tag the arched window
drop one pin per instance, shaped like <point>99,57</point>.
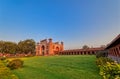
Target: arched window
<point>84,53</point>
<point>88,53</point>
<point>93,52</point>
<point>57,48</point>
<point>43,50</point>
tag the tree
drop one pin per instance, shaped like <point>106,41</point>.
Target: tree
<point>8,47</point>
<point>26,46</point>
<point>85,47</point>
<point>1,46</point>
<point>102,46</point>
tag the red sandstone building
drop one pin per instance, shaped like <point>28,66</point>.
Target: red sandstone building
<point>45,47</point>
<point>89,51</point>
<point>114,49</point>
<point>48,47</point>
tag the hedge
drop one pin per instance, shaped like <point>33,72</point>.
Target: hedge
<point>5,72</point>
<point>15,64</point>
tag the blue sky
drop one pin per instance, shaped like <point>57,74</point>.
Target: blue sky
<point>75,22</point>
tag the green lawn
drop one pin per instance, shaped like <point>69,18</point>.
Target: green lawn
<point>59,67</point>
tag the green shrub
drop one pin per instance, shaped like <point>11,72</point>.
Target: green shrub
<point>5,72</point>
<point>101,54</point>
<point>2,58</point>
<point>110,71</point>
<point>15,64</point>
<point>103,60</point>
<point>108,68</point>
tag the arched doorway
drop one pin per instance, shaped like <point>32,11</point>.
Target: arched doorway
<point>43,50</point>
<point>56,50</point>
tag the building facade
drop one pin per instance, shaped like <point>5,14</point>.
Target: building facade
<point>89,51</point>
<point>48,47</point>
<point>114,49</point>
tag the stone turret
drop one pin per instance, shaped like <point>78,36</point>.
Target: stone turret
<point>50,40</point>
<point>62,46</point>
<point>50,45</point>
<point>61,43</point>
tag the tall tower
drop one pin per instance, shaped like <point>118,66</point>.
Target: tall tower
<point>50,47</point>
<point>62,46</point>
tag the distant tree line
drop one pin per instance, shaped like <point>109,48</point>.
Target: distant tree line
<point>85,47</point>
<point>25,46</point>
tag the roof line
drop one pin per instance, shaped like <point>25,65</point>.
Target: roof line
<point>113,41</point>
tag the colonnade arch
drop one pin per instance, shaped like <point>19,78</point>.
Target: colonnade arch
<point>77,53</point>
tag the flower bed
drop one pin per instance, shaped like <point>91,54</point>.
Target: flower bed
<point>108,68</point>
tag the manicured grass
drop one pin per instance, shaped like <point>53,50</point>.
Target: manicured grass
<point>59,67</point>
